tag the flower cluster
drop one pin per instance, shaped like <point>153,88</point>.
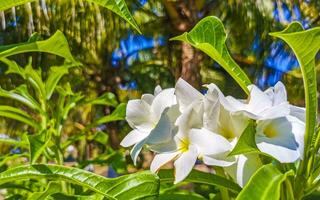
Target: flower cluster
<point>182,125</point>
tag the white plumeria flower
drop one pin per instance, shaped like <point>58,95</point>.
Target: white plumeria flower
<point>229,124</point>
<point>282,138</point>
<point>261,105</point>
<point>152,119</point>
<point>193,140</point>
<point>197,143</point>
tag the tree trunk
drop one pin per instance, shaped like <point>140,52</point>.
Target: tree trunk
<point>190,70</point>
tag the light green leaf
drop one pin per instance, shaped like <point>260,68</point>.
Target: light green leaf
<point>142,185</point>
<point>265,184</point>
<point>37,144</point>
<point>246,142</point>
<point>118,114</point>
<point>120,8</point>
<point>178,196</point>
<point>6,4</point>
<point>13,67</point>
<point>57,44</point>
<point>35,79</point>
<point>100,137</point>
<point>22,95</point>
<point>201,177</point>
<point>60,196</point>
<point>107,99</point>
<point>56,73</point>
<point>10,157</point>
<point>52,188</point>
<point>210,36</point>
<point>305,44</point>
<point>18,114</point>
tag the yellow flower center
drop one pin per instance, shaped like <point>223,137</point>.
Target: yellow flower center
<point>184,144</point>
<point>226,132</point>
<point>270,131</point>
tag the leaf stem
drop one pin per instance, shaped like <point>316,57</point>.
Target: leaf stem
<point>224,192</point>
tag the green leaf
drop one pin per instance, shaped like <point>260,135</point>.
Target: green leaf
<point>35,79</point>
<point>305,44</point>
<point>264,184</point>
<point>107,99</point>
<point>23,91</point>
<point>246,142</point>
<point>19,115</point>
<point>100,137</point>
<point>13,67</point>
<point>142,185</point>
<point>37,144</point>
<point>118,114</point>
<point>6,4</point>
<point>11,141</point>
<point>56,73</point>
<point>52,188</point>
<point>59,196</point>
<point>25,98</point>
<point>120,8</point>
<point>210,36</point>
<point>177,196</point>
<point>10,157</point>
<point>57,44</point>
<point>203,178</point>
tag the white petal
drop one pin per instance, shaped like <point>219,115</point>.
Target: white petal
<point>164,147</point>
<point>186,94</point>
<point>191,117</point>
<point>219,160</point>
<point>298,129</point>
<point>209,143</point>
<point>136,150</point>
<point>161,159</point>
<point>184,164</point>
<point>279,110</point>
<point>258,100</point>
<point>231,125</point>
<point>298,112</point>
<point>157,90</point>
<point>275,137</point>
<point>138,115</point>
<point>163,100</point>
<point>211,111</point>
<point>133,137</point>
<point>280,93</point>
<point>246,166</point>
<point>148,98</point>
<point>163,132</point>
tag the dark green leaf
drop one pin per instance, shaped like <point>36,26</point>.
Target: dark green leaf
<point>142,185</point>
<point>201,177</point>
<point>210,36</point>
<point>265,184</point>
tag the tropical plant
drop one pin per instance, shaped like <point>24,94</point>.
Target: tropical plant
<point>264,144</point>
